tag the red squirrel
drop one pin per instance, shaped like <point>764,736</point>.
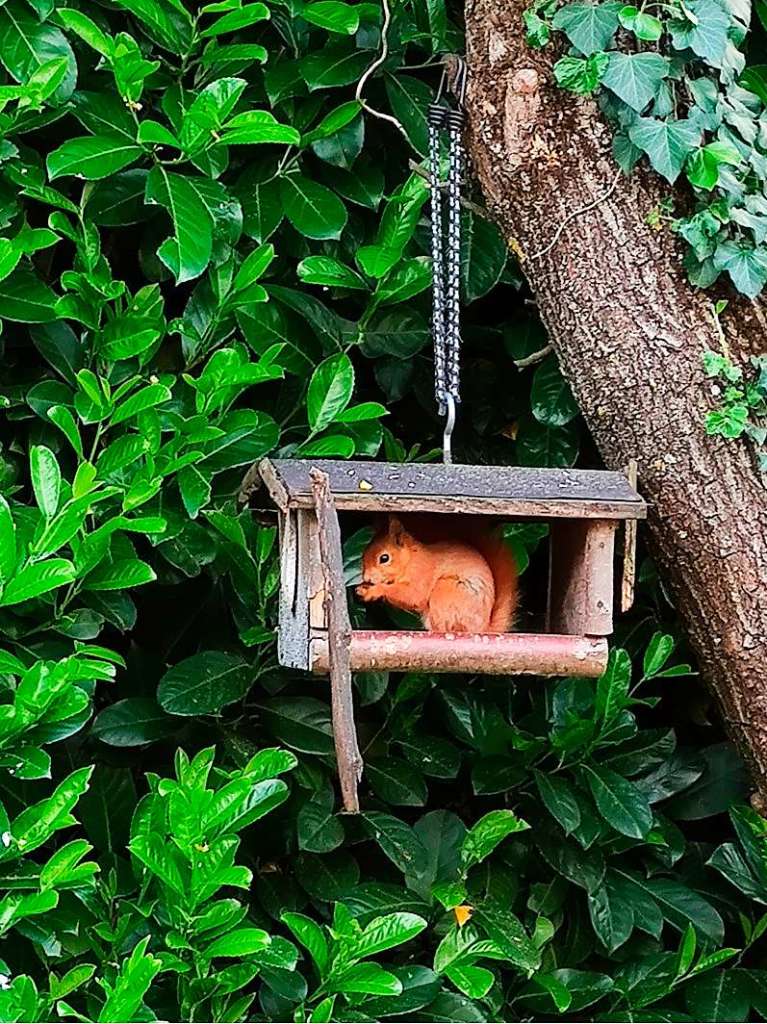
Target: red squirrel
<point>459,577</point>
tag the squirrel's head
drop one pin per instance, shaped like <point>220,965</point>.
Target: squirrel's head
<point>386,560</point>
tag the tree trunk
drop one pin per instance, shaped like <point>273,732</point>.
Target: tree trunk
<point>630,332</point>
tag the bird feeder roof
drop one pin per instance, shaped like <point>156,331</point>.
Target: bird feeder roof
<point>480,490</point>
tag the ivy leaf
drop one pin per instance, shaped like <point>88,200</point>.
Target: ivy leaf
<point>188,253</point>
<point>644,26</point>
<point>746,265</point>
<point>704,32</point>
<point>666,143</point>
<point>635,77</point>
<point>92,157</point>
<point>589,27</point>
<point>703,166</point>
<point>580,75</point>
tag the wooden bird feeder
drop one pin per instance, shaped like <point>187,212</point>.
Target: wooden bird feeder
<point>582,507</point>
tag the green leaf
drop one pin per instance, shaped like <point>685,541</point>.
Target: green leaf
<point>387,932</point>
<point>330,390</point>
<point>396,782</point>
<point>666,143</point>
<point>745,264</point>
<point>580,75</point>
<point>508,933</point>
<point>410,98</point>
<point>311,936</point>
<point>613,687</point>
<point>188,253</point>
<point>301,723</point>
<point>25,299</point>
<point>234,21</point>
<point>473,981</point>
<point>324,270</point>
<point>92,157</point>
<point>132,722</point>
<point>120,574</point>
<point>258,126</point>
<point>367,979</point>
<point>703,29</point>
<point>703,166</point>
<point>240,942</point>
<point>559,801</point>
<point>646,27</point>
<point>27,44</point>
<point>551,399</point>
<point>657,653</point>
<point>204,683</point>
<point>37,579</point>
<point>140,401</point>
<point>612,914</point>
<point>483,837</point>
<point>333,16</point>
<point>589,27</point>
<point>397,840</point>
<point>133,981</point>
<point>312,209</point>
<point>620,802</point>
<point>635,77</point>
<point>720,996</point>
<point>164,21</point>
<point>46,479</point>
<point>7,541</point>
<point>319,830</point>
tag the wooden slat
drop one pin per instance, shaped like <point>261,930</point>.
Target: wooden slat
<point>581,569</point>
<point>539,654</point>
<point>629,548</point>
<point>484,490</point>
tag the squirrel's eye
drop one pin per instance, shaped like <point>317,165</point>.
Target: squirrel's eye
<point>384,559</point>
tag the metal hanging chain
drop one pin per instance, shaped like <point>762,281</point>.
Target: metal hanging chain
<point>446,255</point>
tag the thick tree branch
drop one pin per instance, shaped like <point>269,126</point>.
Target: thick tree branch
<point>630,333</point>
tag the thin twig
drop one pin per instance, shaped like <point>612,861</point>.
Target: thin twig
<point>467,204</point>
<point>373,68</point>
<point>576,213</point>
<point>533,358</point>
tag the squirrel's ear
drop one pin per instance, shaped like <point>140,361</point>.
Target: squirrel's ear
<point>397,531</point>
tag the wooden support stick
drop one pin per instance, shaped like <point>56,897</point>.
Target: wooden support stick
<point>629,548</point>
<point>348,753</point>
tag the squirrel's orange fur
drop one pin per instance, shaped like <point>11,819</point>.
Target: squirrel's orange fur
<point>459,577</point>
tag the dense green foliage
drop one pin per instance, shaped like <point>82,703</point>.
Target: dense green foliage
<point>210,252</point>
<point>672,77</point>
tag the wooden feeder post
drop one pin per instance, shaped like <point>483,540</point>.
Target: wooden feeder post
<point>339,639</point>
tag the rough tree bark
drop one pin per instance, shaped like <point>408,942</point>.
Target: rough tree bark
<point>630,332</point>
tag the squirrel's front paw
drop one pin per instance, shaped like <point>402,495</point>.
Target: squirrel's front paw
<point>366,592</point>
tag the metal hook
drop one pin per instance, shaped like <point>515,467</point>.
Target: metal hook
<point>447,436</point>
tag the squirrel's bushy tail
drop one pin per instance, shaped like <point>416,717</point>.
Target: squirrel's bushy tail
<point>498,556</point>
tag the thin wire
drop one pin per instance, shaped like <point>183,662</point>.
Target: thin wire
<point>576,213</point>
<point>373,68</point>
